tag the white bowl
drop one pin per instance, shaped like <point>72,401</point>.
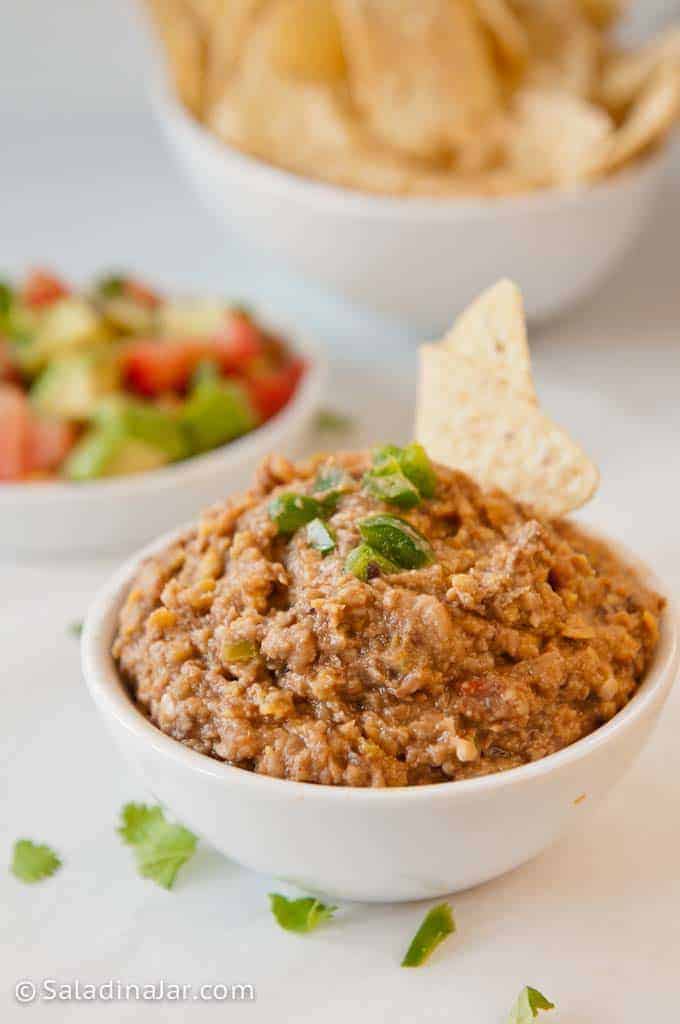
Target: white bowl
<point>371,844</point>
<point>121,513</point>
<point>419,259</point>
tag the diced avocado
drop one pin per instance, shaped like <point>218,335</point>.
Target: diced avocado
<point>66,326</point>
<point>127,316</point>
<point>192,318</point>
<point>143,421</point>
<point>103,452</point>
<point>72,386</point>
<point>216,411</point>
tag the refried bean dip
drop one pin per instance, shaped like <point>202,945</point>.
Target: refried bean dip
<point>275,647</point>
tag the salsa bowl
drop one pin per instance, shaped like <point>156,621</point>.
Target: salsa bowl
<point>378,845</point>
<point>119,513</point>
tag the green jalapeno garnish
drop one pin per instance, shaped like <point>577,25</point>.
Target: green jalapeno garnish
<point>397,540</point>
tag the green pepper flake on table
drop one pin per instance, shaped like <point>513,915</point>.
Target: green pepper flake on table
<point>437,924</point>
<point>301,915</point>
<point>527,1005</point>
<point>119,379</point>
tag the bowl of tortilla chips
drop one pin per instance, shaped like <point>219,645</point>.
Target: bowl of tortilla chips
<point>402,152</point>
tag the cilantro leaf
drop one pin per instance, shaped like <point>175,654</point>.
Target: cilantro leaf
<point>160,847</point>
<point>303,915</point>
<point>436,925</point>
<point>33,861</point>
<point>76,628</point>
<point>527,1005</point>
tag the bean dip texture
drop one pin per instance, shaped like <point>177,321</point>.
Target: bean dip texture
<point>252,646</point>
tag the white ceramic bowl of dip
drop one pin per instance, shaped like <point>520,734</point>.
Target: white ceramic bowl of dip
<point>371,844</point>
<point>418,259</point>
<point>118,514</point>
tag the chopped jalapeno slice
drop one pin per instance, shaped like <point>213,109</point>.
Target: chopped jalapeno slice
<point>417,467</point>
<point>291,511</point>
<point>331,483</point>
<point>320,536</point>
<point>436,925</point>
<point>397,540</point>
<point>412,461</point>
<point>392,488</point>
<point>238,650</point>
<point>385,454</point>
<point>365,563</point>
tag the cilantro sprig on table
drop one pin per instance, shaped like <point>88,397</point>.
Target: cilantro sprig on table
<point>160,847</point>
<point>32,862</point>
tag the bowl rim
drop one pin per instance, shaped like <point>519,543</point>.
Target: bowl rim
<point>176,118</point>
<point>109,693</point>
<point>265,437</point>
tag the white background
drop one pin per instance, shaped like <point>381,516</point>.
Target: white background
<point>595,922</point>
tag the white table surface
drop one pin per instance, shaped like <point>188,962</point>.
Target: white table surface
<point>594,922</point>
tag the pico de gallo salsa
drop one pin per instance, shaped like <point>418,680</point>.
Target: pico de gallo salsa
<point>120,379</point>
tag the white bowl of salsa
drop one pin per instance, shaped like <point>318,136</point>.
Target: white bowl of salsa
<point>107,440</point>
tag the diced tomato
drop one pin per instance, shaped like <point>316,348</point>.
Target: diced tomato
<point>8,371</point>
<point>154,367</point>
<point>15,419</point>
<point>241,343</point>
<point>270,392</point>
<point>42,288</point>
<point>140,293</point>
<point>49,442</point>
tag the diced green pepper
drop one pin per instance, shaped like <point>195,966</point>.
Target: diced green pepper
<point>5,298</point>
<point>365,562</point>
<point>392,488</point>
<point>436,925</point>
<point>238,650</point>
<point>417,467</point>
<point>110,286</point>
<point>397,540</point>
<point>330,485</point>
<point>384,454</point>
<point>291,511</point>
<point>216,411</point>
<point>320,536</point>
<point>412,461</point>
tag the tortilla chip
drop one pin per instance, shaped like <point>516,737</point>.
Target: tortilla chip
<point>557,139</point>
<point>226,25</point>
<point>603,13</point>
<point>421,74</point>
<point>307,41</point>
<point>492,333</point>
<point>507,31</point>
<point>651,118</point>
<point>626,74</point>
<point>184,45</point>
<point>472,421</point>
<point>564,47</point>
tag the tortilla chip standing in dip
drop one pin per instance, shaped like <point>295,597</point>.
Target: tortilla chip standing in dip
<point>379,619</point>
